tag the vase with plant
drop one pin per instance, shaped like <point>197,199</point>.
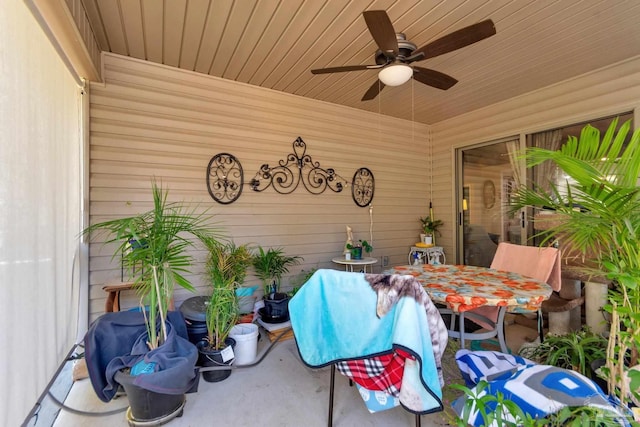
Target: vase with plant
<point>270,265</point>
<point>430,229</point>
<point>597,213</point>
<point>226,268</point>
<point>155,246</point>
<point>358,247</point>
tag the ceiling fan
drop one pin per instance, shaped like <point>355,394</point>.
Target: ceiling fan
<point>396,53</point>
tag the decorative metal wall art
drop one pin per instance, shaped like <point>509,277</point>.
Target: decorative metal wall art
<point>298,167</point>
<point>225,178</point>
<point>363,187</point>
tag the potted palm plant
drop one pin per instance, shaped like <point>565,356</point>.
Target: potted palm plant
<point>270,265</point>
<point>155,244</point>
<point>597,212</point>
<point>226,267</point>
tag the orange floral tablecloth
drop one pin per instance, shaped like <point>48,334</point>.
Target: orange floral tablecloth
<point>465,287</point>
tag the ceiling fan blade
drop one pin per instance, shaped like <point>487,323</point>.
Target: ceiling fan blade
<point>373,91</point>
<point>346,68</point>
<point>433,78</point>
<point>381,29</point>
<point>456,40</point>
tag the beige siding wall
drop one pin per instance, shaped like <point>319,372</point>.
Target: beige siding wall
<point>149,120</point>
<point>608,91</point>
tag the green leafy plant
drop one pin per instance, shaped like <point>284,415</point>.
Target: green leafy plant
<point>493,409</point>
<point>271,265</point>
<point>597,212</point>
<point>226,267</point>
<point>496,410</point>
<point>431,226</point>
<point>361,244</point>
<point>155,245</point>
<point>301,279</point>
<point>575,350</point>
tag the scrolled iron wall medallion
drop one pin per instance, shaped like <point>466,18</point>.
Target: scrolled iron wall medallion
<point>225,178</point>
<point>363,187</point>
<point>296,168</point>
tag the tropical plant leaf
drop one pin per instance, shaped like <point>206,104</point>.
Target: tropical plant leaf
<point>155,246</point>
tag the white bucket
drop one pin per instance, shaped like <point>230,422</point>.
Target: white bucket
<point>246,336</point>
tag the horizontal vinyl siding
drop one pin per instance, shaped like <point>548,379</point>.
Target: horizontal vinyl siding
<point>611,90</point>
<point>150,121</point>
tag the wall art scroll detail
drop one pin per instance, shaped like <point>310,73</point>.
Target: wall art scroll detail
<point>296,168</point>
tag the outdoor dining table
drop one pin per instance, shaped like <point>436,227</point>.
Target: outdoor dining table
<point>464,287</point>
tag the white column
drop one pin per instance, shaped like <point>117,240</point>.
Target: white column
<point>595,299</point>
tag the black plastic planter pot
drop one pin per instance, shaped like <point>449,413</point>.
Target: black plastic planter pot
<point>194,311</point>
<point>147,407</point>
<point>210,358</point>
<point>276,308</point>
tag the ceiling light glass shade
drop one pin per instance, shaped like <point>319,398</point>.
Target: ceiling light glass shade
<point>395,75</point>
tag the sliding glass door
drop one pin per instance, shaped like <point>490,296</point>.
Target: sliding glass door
<point>485,176</point>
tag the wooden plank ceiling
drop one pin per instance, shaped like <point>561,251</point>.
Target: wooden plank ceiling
<point>275,44</point>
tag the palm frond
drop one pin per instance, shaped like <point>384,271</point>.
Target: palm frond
<point>155,244</point>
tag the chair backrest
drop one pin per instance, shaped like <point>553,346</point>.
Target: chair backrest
<point>533,261</point>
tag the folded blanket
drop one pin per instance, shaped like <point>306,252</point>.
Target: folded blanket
<point>118,340</point>
<point>340,316</point>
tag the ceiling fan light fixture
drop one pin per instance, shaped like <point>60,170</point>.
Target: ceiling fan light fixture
<point>395,75</point>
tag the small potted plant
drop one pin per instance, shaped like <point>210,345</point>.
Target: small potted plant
<point>357,248</point>
<point>226,267</point>
<point>270,265</point>
<point>430,229</point>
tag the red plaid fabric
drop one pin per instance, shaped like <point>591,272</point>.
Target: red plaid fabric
<point>377,373</point>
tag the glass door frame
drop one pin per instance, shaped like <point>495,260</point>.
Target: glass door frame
<point>461,191</point>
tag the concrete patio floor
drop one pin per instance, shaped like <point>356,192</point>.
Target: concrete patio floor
<point>280,391</point>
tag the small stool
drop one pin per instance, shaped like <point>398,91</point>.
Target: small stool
<point>559,312</point>
<point>113,299</point>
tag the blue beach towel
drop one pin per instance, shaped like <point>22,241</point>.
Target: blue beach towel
<point>339,316</point>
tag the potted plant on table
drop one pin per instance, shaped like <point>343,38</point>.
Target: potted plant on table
<point>430,228</point>
<point>357,248</point>
<point>226,268</point>
<point>270,265</point>
<point>598,213</point>
<point>155,244</point>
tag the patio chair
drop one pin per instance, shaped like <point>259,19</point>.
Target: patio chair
<point>382,331</point>
<point>532,261</point>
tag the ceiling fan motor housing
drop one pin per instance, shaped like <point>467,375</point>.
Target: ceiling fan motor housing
<point>405,48</point>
